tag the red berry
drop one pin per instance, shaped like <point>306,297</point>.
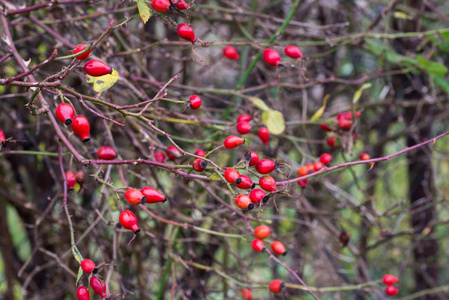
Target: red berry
<point>331,141</point>
<point>81,127</point>
<point>243,127</point>
<point>246,294</point>
<point>257,245</point>
<point>160,5</point>
<point>152,195</point>
<point>293,52</point>
<point>303,171</point>
<point>257,195</point>
<point>98,286</point>
<point>230,52</point>
<point>134,197</point>
<point>199,165</point>
<point>262,232</point>
<point>325,127</point>
<point>87,265</point>
<point>186,32</point>
<point>391,290</point>
<point>267,183</point>
<point>271,57</point>
<point>317,166</point>
<point>2,136</point>
<point>65,113</point>
<point>254,159</point>
<point>182,5</point>
<point>200,152</point>
<point>83,293</point>
<point>347,115</point>
<point>278,248</point>
<point>97,68</point>
<point>79,48</point>
<point>364,156</point>
<point>129,221</point>
<point>275,286</point>
<point>231,175</point>
<point>244,118</point>
<point>71,179</point>
<point>266,166</point>
<point>244,182</point>
<point>159,156</point>
<point>79,175</point>
<point>106,153</point>
<point>302,183</point>
<point>264,135</point>
<point>233,141</point>
<point>244,202</point>
<point>325,158</point>
<point>194,102</point>
<point>345,124</point>
<point>389,279</point>
<point>173,152</point>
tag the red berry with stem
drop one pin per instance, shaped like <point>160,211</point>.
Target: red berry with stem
<point>278,248</point>
<point>246,294</point>
<point>257,195</point>
<point>257,245</point>
<point>244,182</point>
<point>391,290</point>
<point>317,166</point>
<point>152,195</point>
<point>231,175</point>
<point>264,135</point>
<point>293,52</point>
<point>233,141</point>
<point>345,124</point>
<point>81,127</point>
<point>135,197</point>
<point>97,68</point>
<point>231,53</point>
<point>252,158</point>
<point>65,113</point>
<point>181,4</point>
<point>302,183</point>
<point>2,136</point>
<point>87,265</point>
<point>200,152</point>
<point>325,158</point>
<point>262,232</point>
<point>186,32</point>
<point>243,127</point>
<point>80,47</point>
<point>267,183</point>
<point>389,279</point>
<point>364,156</point>
<point>325,127</point>
<point>271,57</point>
<point>275,286</point>
<point>266,166</point>
<point>98,286</point>
<point>173,152</point>
<point>194,102</point>
<point>159,156</point>
<point>82,293</point>
<point>129,221</point>
<point>244,202</point>
<point>106,153</point>
<point>160,5</point>
<point>71,179</point>
<point>244,118</point>
<point>303,171</point>
<point>199,165</point>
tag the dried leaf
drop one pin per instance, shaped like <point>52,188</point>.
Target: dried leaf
<point>144,10</point>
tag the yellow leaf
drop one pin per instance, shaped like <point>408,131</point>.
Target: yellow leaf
<point>358,93</point>
<point>215,177</point>
<point>257,102</point>
<point>274,120</point>
<point>102,83</point>
<point>144,11</point>
<point>320,110</point>
<point>402,15</point>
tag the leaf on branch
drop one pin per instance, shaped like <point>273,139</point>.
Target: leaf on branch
<point>102,83</point>
<point>144,10</point>
<point>358,93</point>
<point>80,273</point>
<point>402,15</point>
<point>320,110</point>
<point>257,102</point>
<point>274,120</point>
<point>215,177</point>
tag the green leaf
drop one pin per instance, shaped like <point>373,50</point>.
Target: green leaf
<point>144,10</point>
<point>102,83</point>
<point>358,93</point>
<point>257,102</point>
<point>215,177</point>
<point>442,83</point>
<point>433,68</point>
<point>274,120</point>
<point>320,110</point>
<point>80,273</point>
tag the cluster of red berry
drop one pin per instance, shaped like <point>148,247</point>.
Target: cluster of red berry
<point>273,58</point>
<point>390,280</point>
<point>93,67</point>
<point>97,285</point>
<point>325,160</point>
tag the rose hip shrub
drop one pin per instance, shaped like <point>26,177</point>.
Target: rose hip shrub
<point>202,149</point>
